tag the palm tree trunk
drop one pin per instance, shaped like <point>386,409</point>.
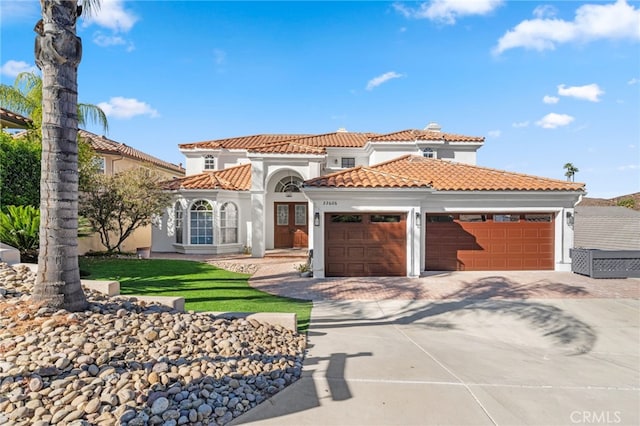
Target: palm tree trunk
<point>58,52</point>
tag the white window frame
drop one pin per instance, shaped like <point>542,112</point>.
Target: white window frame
<point>229,223</point>
<point>201,213</point>
<point>209,162</point>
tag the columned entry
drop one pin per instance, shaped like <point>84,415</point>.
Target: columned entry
<point>291,225</point>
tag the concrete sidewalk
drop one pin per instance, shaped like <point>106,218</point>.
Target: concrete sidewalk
<point>465,362</point>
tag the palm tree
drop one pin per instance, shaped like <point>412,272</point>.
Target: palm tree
<point>571,170</point>
<point>58,51</point>
<point>25,98</point>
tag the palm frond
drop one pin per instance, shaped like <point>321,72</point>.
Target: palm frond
<point>93,114</point>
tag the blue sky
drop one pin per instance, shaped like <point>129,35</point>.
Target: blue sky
<point>545,82</point>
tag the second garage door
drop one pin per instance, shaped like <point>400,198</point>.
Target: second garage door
<point>489,242</point>
<point>365,244</point>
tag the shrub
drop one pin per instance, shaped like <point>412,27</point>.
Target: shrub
<point>19,228</point>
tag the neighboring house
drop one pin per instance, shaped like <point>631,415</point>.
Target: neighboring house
<point>11,120</point>
<point>368,204</point>
<point>607,228</point>
<point>113,157</point>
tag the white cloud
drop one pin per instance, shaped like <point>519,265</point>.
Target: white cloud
<point>633,81</point>
<point>120,107</point>
<point>553,120</point>
<point>377,81</point>
<point>520,124</point>
<point>447,11</point>
<point>589,92</point>
<point>12,68</point>
<point>618,20</point>
<point>494,133</point>
<point>545,11</point>
<point>112,15</point>
<point>550,99</point>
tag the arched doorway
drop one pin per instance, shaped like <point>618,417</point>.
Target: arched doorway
<point>290,217</point>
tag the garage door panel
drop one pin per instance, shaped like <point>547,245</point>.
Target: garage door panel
<point>489,245</point>
<point>371,246</point>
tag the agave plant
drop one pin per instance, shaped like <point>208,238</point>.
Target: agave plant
<point>19,228</point>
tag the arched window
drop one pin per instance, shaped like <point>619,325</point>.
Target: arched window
<point>178,213</point>
<point>428,153</point>
<point>209,162</point>
<point>201,222</point>
<point>289,184</point>
<point>228,223</point>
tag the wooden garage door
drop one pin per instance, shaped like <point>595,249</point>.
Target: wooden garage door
<point>365,244</point>
<point>489,242</point>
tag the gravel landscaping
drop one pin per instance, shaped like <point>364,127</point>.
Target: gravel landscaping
<point>123,362</point>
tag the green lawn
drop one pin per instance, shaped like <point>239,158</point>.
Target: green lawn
<point>203,286</point>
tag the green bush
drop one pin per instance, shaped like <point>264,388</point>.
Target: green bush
<point>19,228</point>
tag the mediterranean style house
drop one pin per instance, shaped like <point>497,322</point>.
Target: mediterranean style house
<point>367,204</point>
<point>113,157</point>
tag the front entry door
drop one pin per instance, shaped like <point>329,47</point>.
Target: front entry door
<point>291,225</point>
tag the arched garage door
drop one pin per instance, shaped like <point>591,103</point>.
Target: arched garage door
<point>365,244</point>
<point>489,242</point>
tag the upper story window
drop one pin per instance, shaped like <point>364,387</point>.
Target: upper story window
<point>428,153</point>
<point>209,162</point>
<point>100,164</point>
<point>348,162</point>
<point>289,184</point>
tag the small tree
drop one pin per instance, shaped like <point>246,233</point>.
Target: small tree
<point>118,205</point>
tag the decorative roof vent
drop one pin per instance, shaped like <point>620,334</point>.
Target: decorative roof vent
<point>433,127</point>
<point>342,130</point>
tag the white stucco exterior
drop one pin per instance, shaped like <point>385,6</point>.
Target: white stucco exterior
<point>256,204</point>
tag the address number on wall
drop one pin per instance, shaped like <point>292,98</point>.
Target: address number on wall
<point>329,203</point>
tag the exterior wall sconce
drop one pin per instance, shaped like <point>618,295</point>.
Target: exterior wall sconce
<point>316,219</point>
<point>570,218</point>
<point>418,219</point>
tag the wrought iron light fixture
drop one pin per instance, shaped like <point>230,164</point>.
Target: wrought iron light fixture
<point>316,219</point>
<point>418,219</point>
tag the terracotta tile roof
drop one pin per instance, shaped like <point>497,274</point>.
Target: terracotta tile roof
<point>425,135</point>
<point>440,175</point>
<point>102,145</point>
<point>242,142</point>
<point>340,139</point>
<point>337,140</point>
<point>288,148</point>
<point>237,178</point>
<point>12,120</point>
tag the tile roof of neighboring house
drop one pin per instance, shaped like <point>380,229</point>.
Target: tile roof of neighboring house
<point>425,135</point>
<point>237,178</point>
<point>415,171</point>
<point>11,120</point>
<point>339,139</point>
<point>242,142</point>
<point>587,201</point>
<point>102,145</point>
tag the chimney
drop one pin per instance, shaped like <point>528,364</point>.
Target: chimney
<point>433,127</point>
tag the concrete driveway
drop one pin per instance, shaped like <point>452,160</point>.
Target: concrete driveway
<point>459,348</point>
<point>488,348</point>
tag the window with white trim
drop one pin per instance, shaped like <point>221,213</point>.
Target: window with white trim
<point>228,223</point>
<point>100,164</point>
<point>289,184</point>
<point>428,153</point>
<point>209,162</point>
<point>178,213</point>
<point>348,162</point>
<point>201,222</point>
